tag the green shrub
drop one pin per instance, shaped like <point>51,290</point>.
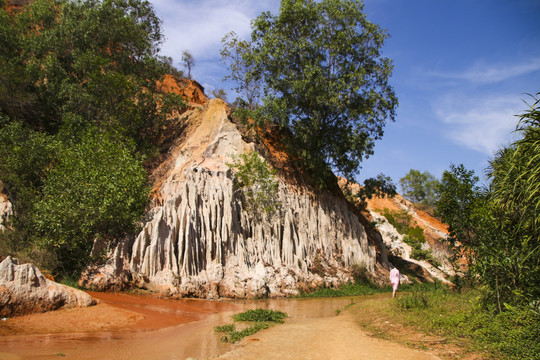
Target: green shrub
<point>97,188</point>
<point>420,254</point>
<point>257,182</point>
<point>416,233</point>
<point>261,315</point>
<point>235,336</point>
<point>412,235</point>
<point>360,274</point>
<point>225,328</point>
<point>399,219</point>
<point>25,155</point>
<point>261,318</point>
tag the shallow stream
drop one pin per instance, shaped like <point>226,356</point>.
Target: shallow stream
<point>171,329</point>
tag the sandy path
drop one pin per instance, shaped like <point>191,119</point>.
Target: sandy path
<point>336,337</point>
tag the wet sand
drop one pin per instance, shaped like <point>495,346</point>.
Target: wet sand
<point>337,337</point>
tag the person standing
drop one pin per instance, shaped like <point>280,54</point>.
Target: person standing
<point>394,280</point>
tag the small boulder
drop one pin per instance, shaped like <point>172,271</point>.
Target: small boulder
<point>24,290</point>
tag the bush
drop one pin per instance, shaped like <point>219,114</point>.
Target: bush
<point>25,155</point>
<point>360,274</point>
<point>98,188</point>
<point>235,336</point>
<point>225,328</point>
<point>399,219</point>
<point>261,315</point>
<point>257,182</point>
<point>413,235</point>
<point>416,233</point>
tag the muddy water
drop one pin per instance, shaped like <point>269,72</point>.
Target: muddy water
<point>171,329</point>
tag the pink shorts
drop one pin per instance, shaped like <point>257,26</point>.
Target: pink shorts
<point>395,285</point>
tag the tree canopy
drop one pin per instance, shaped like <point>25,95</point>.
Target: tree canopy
<point>419,187</point>
<point>323,78</point>
<point>76,69</point>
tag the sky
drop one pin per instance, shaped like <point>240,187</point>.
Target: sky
<point>463,70</point>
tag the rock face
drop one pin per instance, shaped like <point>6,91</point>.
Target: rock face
<point>189,89</point>
<point>23,290</point>
<point>6,209</point>
<point>434,231</point>
<point>200,239</point>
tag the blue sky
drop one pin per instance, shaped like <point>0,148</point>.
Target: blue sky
<point>462,70</point>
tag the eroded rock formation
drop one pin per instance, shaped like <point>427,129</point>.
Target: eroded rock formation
<point>200,239</point>
<point>23,290</point>
<point>434,232</point>
<point>6,209</point>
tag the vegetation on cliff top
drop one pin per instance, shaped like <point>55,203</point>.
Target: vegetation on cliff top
<point>322,78</point>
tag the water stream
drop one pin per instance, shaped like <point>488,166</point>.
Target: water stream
<point>171,329</point>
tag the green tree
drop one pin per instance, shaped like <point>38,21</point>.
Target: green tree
<point>381,186</point>
<point>79,110</point>
<point>497,229</point>
<point>419,187</point>
<point>510,256</point>
<point>96,59</point>
<point>324,79</point>
<point>98,188</point>
<point>25,155</point>
<point>515,172</point>
<point>239,57</point>
<point>460,198</point>
<point>188,60</point>
<point>15,97</point>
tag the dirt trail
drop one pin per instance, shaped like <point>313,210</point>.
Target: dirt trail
<point>336,337</point>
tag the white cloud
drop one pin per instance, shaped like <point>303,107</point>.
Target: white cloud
<point>199,26</point>
<point>483,124</point>
<point>482,73</point>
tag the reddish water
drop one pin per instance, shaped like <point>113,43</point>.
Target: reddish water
<point>171,329</point>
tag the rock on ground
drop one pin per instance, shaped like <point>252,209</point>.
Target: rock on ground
<point>24,290</point>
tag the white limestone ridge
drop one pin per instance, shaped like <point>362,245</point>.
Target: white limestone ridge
<point>199,239</point>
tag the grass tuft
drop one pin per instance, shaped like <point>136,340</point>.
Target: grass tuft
<point>261,319</point>
<point>415,300</point>
<point>261,315</point>
<point>225,328</point>
<point>345,290</point>
<point>235,336</point>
